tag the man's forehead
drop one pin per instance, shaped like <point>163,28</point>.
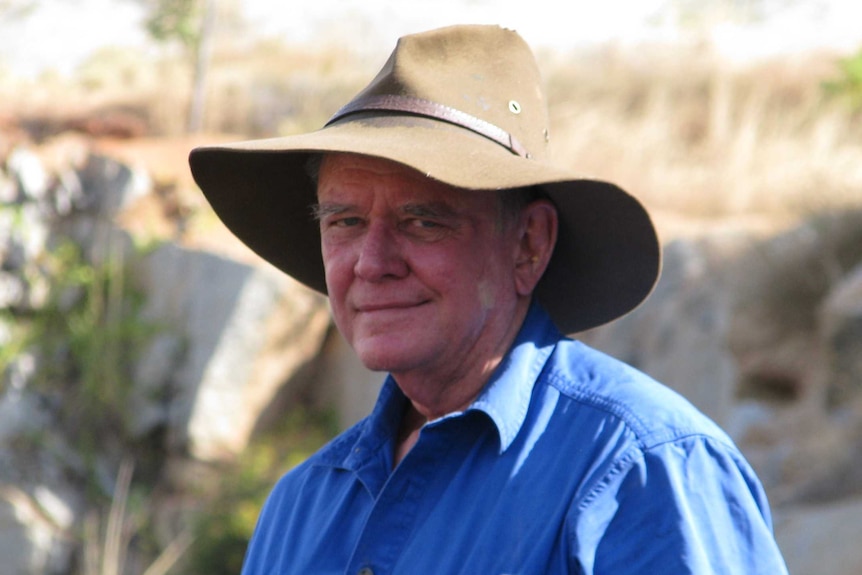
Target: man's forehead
<point>355,178</point>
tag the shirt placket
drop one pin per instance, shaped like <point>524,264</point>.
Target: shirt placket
<point>392,519</point>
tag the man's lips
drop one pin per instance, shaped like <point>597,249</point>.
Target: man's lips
<point>371,307</point>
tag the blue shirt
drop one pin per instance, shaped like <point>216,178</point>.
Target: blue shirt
<point>568,462</point>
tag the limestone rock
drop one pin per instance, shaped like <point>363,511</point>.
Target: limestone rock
<point>821,539</point>
<point>33,180</point>
<point>348,385</point>
<point>109,185</point>
<point>841,326</point>
<point>679,334</point>
<point>231,334</point>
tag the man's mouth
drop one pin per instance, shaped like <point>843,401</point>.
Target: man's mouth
<point>388,306</point>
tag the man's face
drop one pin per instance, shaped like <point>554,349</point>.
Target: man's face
<point>419,274</point>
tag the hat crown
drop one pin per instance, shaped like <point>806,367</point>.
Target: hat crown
<point>486,71</point>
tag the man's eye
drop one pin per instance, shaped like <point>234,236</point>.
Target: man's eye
<point>347,222</point>
<point>423,224</point>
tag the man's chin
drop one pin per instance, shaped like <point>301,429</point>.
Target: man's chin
<point>376,362</point>
<point>383,356</point>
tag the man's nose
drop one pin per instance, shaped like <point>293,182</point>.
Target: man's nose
<point>380,254</point>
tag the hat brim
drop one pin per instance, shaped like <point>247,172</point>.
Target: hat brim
<point>606,261</point>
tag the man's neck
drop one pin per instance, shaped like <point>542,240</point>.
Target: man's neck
<point>437,393</point>
<point>408,433</point>
<point>432,398</point>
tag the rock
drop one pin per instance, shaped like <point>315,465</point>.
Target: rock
<point>20,413</point>
<point>27,170</point>
<point>8,189</point>
<point>13,291</point>
<point>33,531</point>
<point>68,193</point>
<point>821,539</point>
<point>345,382</point>
<point>154,381</point>
<point>841,330</point>
<point>109,185</point>
<point>38,503</point>
<point>679,334</point>
<point>776,285</point>
<point>24,231</point>
<point>232,334</point>
<point>20,551</point>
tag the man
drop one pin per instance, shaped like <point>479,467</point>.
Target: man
<point>454,255</point>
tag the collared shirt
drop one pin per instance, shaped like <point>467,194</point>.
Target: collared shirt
<point>568,462</point>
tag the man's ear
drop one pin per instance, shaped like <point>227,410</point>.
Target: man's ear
<point>537,231</point>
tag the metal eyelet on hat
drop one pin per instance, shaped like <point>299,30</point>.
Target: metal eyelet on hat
<point>514,107</point>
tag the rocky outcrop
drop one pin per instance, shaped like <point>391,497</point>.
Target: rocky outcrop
<point>679,336</point>
<point>763,333</point>
<point>841,330</point>
<point>222,340</point>
<point>821,538</point>
<point>38,505</point>
<point>233,335</point>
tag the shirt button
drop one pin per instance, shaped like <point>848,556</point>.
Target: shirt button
<point>366,571</point>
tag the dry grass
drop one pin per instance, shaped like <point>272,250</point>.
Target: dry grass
<point>690,134</point>
<point>106,553</point>
<point>685,132</point>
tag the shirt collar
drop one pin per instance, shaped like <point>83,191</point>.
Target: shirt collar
<point>380,428</point>
<point>506,396</point>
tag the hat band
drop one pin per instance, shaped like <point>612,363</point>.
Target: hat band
<point>429,109</point>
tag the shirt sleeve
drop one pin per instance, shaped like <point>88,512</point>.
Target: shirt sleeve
<point>692,505</point>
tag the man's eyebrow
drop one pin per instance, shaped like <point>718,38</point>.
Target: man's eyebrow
<point>320,211</point>
<point>430,210</point>
<point>443,210</point>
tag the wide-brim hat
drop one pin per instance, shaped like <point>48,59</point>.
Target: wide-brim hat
<point>462,105</point>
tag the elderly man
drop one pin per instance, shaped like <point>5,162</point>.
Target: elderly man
<point>454,256</point>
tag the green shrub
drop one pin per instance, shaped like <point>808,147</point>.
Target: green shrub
<point>86,337</point>
<point>848,85</point>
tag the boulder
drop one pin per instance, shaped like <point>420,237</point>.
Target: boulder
<point>346,383</point>
<point>32,178</point>
<point>34,531</point>
<point>679,335</point>
<point>841,331</point>
<point>21,549</point>
<point>109,185</point>
<point>229,335</point>
<point>821,539</point>
<point>38,503</point>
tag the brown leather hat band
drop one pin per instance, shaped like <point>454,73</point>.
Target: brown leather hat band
<point>407,104</point>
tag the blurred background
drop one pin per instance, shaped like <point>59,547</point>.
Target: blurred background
<point>156,378</point>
